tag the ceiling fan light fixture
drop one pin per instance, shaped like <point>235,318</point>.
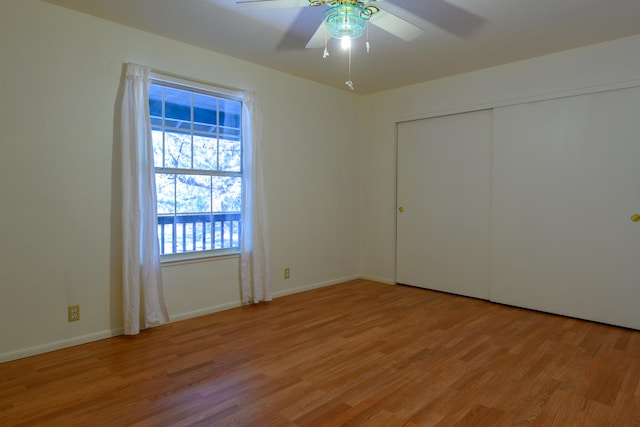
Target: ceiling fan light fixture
<point>345,42</point>
<point>346,20</point>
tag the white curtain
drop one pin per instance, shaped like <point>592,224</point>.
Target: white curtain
<point>142,279</point>
<point>255,276</point>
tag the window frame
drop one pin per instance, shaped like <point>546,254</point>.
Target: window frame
<point>204,88</point>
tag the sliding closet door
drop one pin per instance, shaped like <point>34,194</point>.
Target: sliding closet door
<point>444,196</point>
<point>566,183</point>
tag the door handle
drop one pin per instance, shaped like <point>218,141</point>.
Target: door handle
<point>401,209</point>
<point>635,217</point>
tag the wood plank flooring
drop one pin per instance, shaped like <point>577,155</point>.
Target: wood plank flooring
<point>357,353</point>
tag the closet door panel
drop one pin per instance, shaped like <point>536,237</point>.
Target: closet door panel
<point>443,191</point>
<point>566,180</point>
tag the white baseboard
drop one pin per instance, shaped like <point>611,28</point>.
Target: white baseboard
<point>379,279</point>
<point>314,286</point>
<point>83,339</point>
<point>204,311</point>
<point>58,345</point>
<point>235,304</point>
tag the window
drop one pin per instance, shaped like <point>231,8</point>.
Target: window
<point>197,150</point>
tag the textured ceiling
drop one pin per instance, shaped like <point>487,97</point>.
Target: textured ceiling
<point>459,35</point>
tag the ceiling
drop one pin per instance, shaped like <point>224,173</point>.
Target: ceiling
<point>459,35</point>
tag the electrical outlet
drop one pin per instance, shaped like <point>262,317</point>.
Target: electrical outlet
<point>73,313</point>
<point>287,273</point>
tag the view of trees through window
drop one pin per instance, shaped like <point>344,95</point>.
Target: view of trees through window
<point>197,149</point>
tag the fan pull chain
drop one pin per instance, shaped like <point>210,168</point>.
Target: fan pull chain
<point>349,83</point>
<point>326,42</point>
<point>367,43</point>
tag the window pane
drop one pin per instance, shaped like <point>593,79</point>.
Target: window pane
<point>177,148</point>
<point>156,122</point>
<point>156,137</point>
<point>204,112</point>
<point>227,194</point>
<point>191,232</point>
<point>205,150</point>
<point>165,233</point>
<point>232,134</point>
<point>155,101</point>
<point>182,236</point>
<point>193,194</point>
<point>229,113</point>
<point>230,156</point>
<point>177,107</point>
<point>165,190</point>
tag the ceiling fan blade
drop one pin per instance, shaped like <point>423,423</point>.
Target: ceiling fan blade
<point>272,4</point>
<point>301,29</point>
<point>443,14</point>
<point>318,38</point>
<point>396,25</point>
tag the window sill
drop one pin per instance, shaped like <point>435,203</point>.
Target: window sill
<point>189,258</point>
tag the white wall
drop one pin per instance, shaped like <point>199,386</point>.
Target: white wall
<point>60,75</point>
<point>606,65</point>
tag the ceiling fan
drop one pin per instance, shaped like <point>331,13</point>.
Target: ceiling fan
<point>348,19</point>
<point>445,15</point>
<point>345,19</point>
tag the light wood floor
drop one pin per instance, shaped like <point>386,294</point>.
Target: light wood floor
<point>358,353</point>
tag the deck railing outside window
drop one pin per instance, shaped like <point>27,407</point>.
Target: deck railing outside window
<point>198,232</point>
